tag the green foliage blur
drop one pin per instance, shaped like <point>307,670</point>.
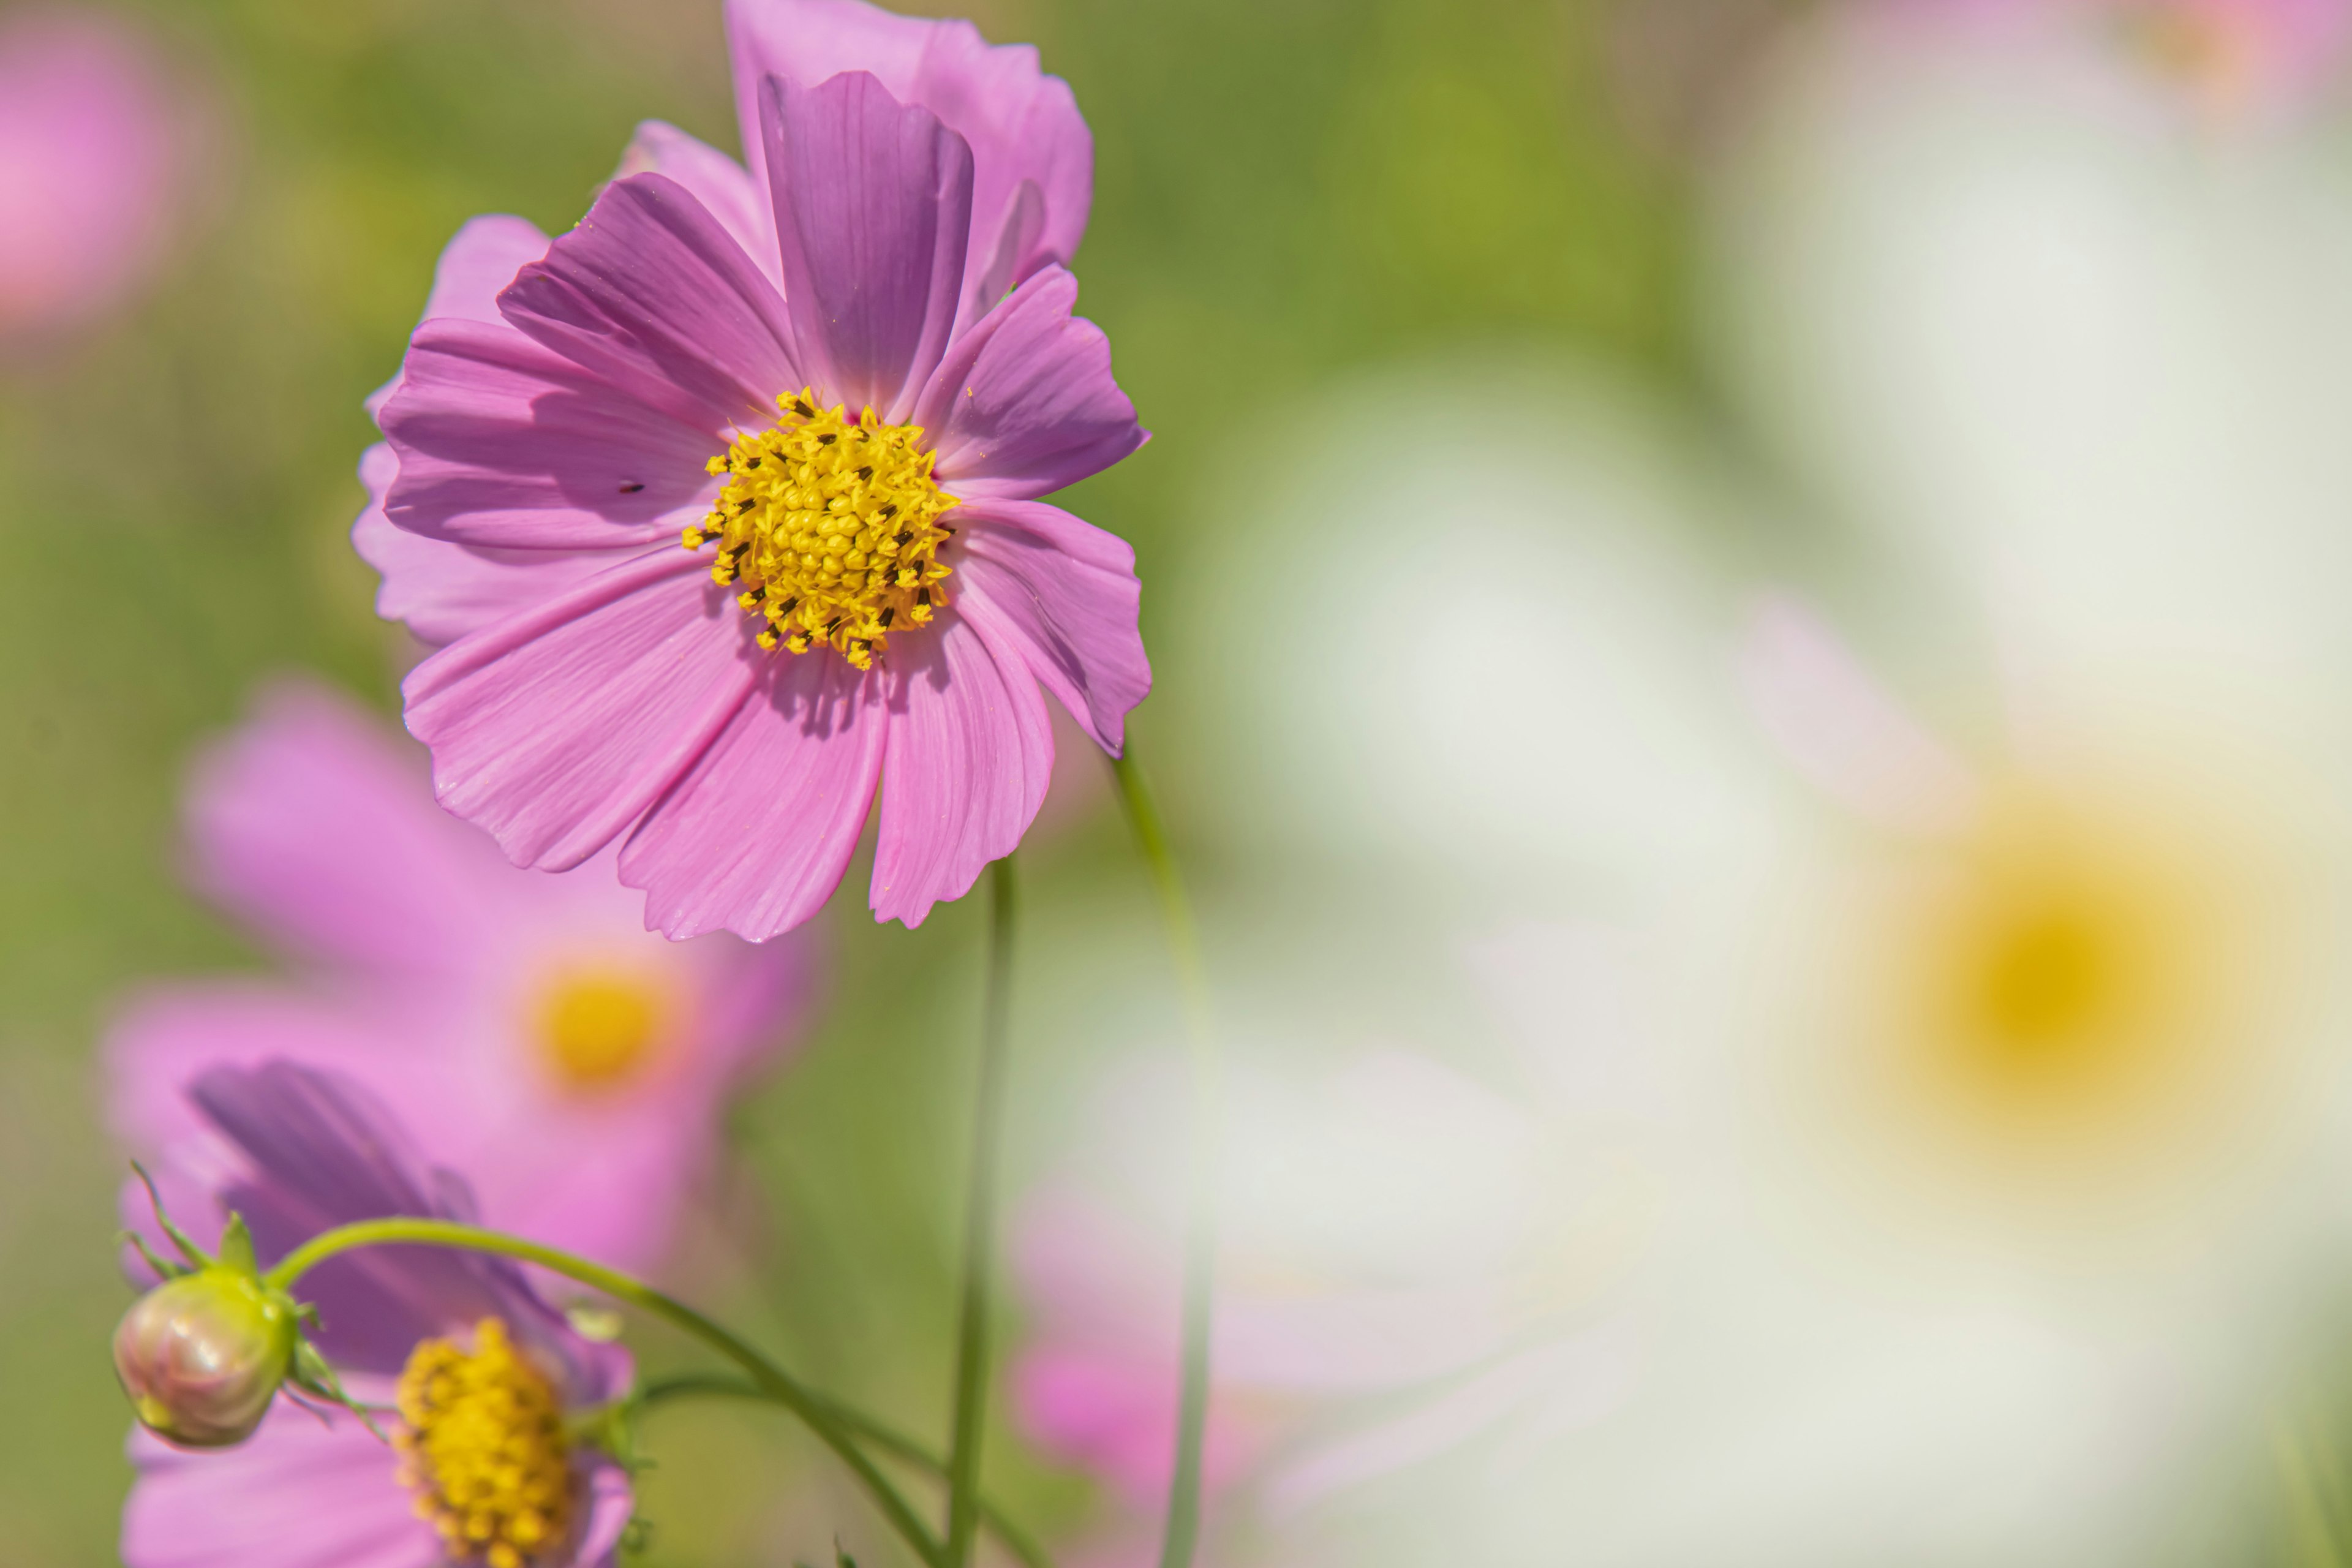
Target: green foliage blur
<point>1285,188</point>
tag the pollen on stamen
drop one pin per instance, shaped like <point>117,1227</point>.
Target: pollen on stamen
<point>483,1448</point>
<point>827,529</point>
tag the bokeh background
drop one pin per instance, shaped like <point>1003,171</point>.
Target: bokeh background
<point>1548,396</point>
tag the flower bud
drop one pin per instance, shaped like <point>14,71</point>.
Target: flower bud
<point>202,1356</point>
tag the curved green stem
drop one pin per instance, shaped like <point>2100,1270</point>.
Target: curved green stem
<point>1183,1526</point>
<point>888,1440</point>
<point>818,1413</point>
<point>980,1228</point>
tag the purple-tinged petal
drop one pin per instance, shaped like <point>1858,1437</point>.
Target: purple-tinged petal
<point>554,730</point>
<point>165,1038</point>
<point>1025,402</point>
<point>605,1486</point>
<point>311,827</point>
<point>441,591</point>
<point>307,1491</point>
<point>873,202</point>
<point>1023,126</point>
<point>654,294</point>
<point>481,260</point>
<point>1064,593</point>
<point>971,755</point>
<point>754,838</point>
<point>714,179</point>
<point>504,443</point>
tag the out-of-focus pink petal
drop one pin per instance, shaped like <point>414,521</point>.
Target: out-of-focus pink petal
<point>305,1491</point>
<point>611,1502</point>
<point>971,755</point>
<point>441,591</point>
<point>1023,126</point>
<point>164,1039</point>
<point>91,144</point>
<point>1117,1417</point>
<point>505,443</point>
<point>1065,593</point>
<point>754,838</point>
<point>714,179</point>
<point>556,729</point>
<point>873,204</point>
<point>480,260</point>
<point>652,293</point>
<point>310,826</point>
<point>1025,402</point>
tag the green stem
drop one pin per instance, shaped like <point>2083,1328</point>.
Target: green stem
<point>819,1414</point>
<point>1183,1528</point>
<point>980,1228</point>
<point>888,1440</point>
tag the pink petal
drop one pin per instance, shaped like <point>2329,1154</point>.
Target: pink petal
<point>164,1039</point>
<point>442,591</point>
<point>481,260</point>
<point>611,1502</point>
<point>972,752</point>
<point>554,730</point>
<point>1024,403</point>
<point>301,1493</point>
<point>714,179</point>
<point>505,443</point>
<point>873,204</point>
<point>1023,126</point>
<point>653,294</point>
<point>313,827</point>
<point>1065,593</point>
<point>755,838</point>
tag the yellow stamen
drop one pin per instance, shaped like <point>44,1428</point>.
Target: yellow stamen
<point>830,528</point>
<point>484,1449</point>
<point>597,1028</point>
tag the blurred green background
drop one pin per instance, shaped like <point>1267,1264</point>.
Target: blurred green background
<point>1285,188</point>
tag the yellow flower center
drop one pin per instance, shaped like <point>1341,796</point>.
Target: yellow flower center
<point>597,1028</point>
<point>484,1449</point>
<point>830,526</point>
<point>2205,49</point>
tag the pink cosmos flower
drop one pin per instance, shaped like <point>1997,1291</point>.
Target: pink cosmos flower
<point>526,1027</point>
<point>728,500</point>
<point>2234,57</point>
<point>88,129</point>
<point>459,1343</point>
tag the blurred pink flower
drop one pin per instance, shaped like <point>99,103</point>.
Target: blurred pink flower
<point>888,275</point>
<point>2233,56</point>
<point>296,1152</point>
<point>88,153</point>
<point>525,1025</point>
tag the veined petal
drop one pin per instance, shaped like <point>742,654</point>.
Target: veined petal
<point>556,729</point>
<point>970,753</point>
<point>441,591</point>
<point>1064,593</point>
<point>754,838</point>
<point>652,293</point>
<point>505,443</point>
<point>873,204</point>
<point>714,179</point>
<point>1025,402</point>
<point>480,260</point>
<point>1023,126</point>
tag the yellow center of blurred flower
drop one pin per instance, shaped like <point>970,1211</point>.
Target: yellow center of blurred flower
<point>483,1448</point>
<point>597,1029</point>
<point>2069,975</point>
<point>831,527</point>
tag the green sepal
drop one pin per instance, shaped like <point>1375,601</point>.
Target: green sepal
<point>314,1377</point>
<point>236,1246</point>
<point>196,1256</point>
<point>164,1266</point>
